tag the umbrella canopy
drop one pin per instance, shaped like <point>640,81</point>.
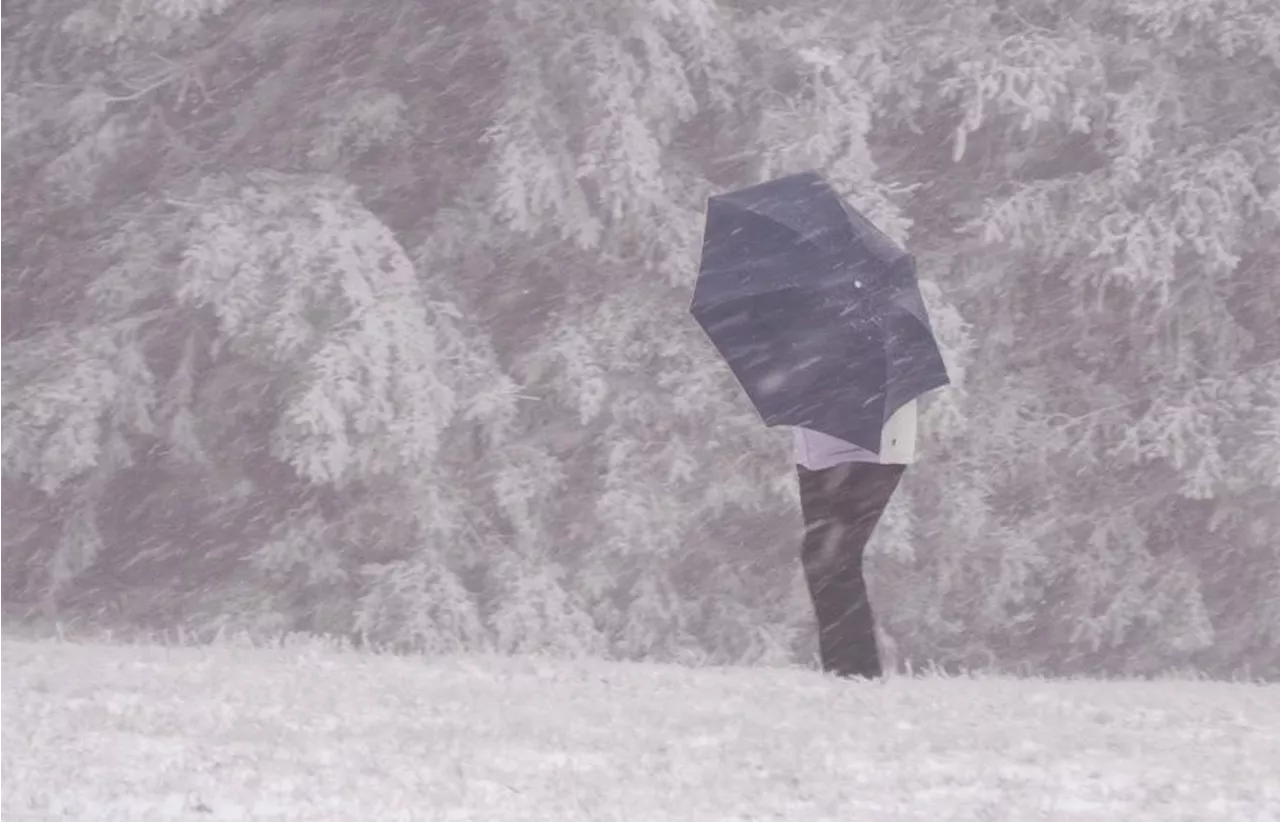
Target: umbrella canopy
<point>817,312</point>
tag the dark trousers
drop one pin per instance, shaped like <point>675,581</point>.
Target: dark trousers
<point>841,506</point>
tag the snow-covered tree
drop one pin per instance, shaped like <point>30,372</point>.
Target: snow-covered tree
<point>373,320</point>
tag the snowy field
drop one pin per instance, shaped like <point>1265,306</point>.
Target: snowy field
<point>304,732</point>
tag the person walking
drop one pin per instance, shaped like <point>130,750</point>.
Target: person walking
<point>844,489</point>
<point>820,318</point>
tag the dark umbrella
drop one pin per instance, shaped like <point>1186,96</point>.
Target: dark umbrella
<point>816,311</point>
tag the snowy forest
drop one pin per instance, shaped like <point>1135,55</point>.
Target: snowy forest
<point>370,319</point>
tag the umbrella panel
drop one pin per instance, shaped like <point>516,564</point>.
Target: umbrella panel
<point>915,364</point>
<point>801,362</point>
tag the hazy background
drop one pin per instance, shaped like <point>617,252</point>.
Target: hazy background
<point>370,318</point>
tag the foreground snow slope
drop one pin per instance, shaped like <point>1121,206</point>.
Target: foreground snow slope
<point>304,732</point>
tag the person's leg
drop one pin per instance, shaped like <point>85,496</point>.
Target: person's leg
<point>841,506</point>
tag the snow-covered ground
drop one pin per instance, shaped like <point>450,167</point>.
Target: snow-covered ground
<point>307,732</point>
